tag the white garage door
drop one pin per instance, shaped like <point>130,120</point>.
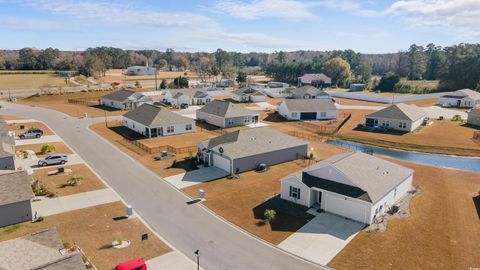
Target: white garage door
<point>347,208</point>
<point>221,162</point>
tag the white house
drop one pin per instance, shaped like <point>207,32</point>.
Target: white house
<point>401,117</point>
<point>319,80</point>
<point>141,70</point>
<point>354,185</point>
<point>464,98</point>
<point>152,121</point>
<point>189,96</point>
<point>474,117</point>
<point>248,94</point>
<point>308,92</point>
<point>124,99</point>
<point>225,114</point>
<point>223,83</point>
<point>307,109</point>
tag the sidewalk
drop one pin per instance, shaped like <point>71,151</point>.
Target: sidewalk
<point>172,261</point>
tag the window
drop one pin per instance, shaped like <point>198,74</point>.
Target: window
<point>188,127</point>
<point>295,192</point>
<point>294,114</point>
<point>170,129</point>
<point>323,114</point>
<point>402,124</point>
<point>230,121</point>
<point>247,119</point>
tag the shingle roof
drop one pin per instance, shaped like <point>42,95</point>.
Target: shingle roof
<point>15,187</point>
<point>252,141</point>
<point>119,95</point>
<point>309,105</point>
<point>464,93</point>
<point>400,111</point>
<point>370,177</point>
<point>313,91</point>
<point>474,112</point>
<point>190,92</point>
<point>308,78</point>
<point>40,250</point>
<point>226,109</point>
<point>7,146</point>
<point>150,115</point>
<point>247,91</point>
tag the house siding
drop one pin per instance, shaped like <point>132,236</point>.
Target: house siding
<point>239,121</point>
<point>466,102</point>
<point>283,110</point>
<point>139,128</point>
<point>15,213</point>
<point>394,123</point>
<point>474,119</point>
<point>211,119</point>
<point>7,163</point>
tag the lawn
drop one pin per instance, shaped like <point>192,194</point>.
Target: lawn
<point>94,229</point>
<point>28,81</point>
<point>60,148</point>
<point>16,127</point>
<point>57,183</point>
<point>116,75</point>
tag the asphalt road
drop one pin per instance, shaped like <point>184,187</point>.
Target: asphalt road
<point>186,226</point>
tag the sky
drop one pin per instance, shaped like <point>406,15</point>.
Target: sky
<point>367,26</point>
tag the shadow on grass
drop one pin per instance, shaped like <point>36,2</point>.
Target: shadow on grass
<point>188,164</point>
<point>106,246</point>
<point>290,217</point>
<point>387,132</point>
<point>105,108</point>
<point>193,201</point>
<point>126,133</point>
<point>476,202</point>
<point>120,218</point>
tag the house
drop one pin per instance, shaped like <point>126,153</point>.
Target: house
<point>307,109</point>
<point>248,94</point>
<point>15,198</point>
<point>4,130</point>
<point>42,250</point>
<point>246,149</point>
<point>357,87</point>
<point>188,96</point>
<point>308,92</point>
<point>7,153</point>
<point>124,99</point>
<point>277,85</point>
<point>464,98</point>
<point>319,80</point>
<point>152,121</point>
<point>223,83</point>
<point>141,70</point>
<point>474,117</point>
<point>225,114</point>
<point>355,185</point>
<point>401,117</point>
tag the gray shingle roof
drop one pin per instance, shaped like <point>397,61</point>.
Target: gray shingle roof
<point>313,91</point>
<point>400,111</point>
<point>252,141</point>
<point>150,115</point>
<point>464,93</point>
<point>190,92</point>
<point>7,146</point>
<point>309,105</point>
<point>309,78</point>
<point>226,109</point>
<point>119,95</point>
<point>247,91</point>
<point>15,187</point>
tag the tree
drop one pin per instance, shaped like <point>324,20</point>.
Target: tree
<point>416,62</point>
<point>269,215</point>
<point>387,83</point>
<point>364,71</point>
<point>339,70</point>
<point>241,77</point>
<point>162,63</point>
<point>163,84</point>
<point>27,59</point>
<point>435,62</point>
<point>180,82</point>
<point>47,148</point>
<point>46,59</point>
<point>281,57</point>
<point>221,58</point>
<point>461,67</point>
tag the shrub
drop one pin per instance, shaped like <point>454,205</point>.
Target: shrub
<point>174,163</point>
<point>48,148</point>
<point>74,180</point>
<point>269,215</point>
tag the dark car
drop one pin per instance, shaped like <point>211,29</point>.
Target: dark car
<point>183,106</point>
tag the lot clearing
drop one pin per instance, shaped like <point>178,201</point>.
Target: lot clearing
<point>60,148</point>
<point>16,127</point>
<point>57,183</point>
<point>441,137</point>
<point>94,229</point>
<point>29,81</point>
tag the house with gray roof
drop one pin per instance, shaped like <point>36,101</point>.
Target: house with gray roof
<point>248,94</point>
<point>307,109</point>
<point>188,96</point>
<point>355,185</point>
<point>152,121</point>
<point>318,80</point>
<point>41,250</point>
<point>474,117</point>
<point>401,117</point>
<point>464,98</point>
<point>15,198</point>
<point>141,70</point>
<point>246,149</point>
<point>308,92</point>
<point>124,99</point>
<point>225,114</point>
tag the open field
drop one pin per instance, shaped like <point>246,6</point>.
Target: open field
<point>56,183</point>
<point>16,127</point>
<point>94,229</point>
<point>27,81</point>
<point>353,102</point>
<point>443,137</point>
<point>116,75</point>
<point>424,102</point>
<point>60,103</point>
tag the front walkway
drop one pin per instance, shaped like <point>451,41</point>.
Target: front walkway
<point>322,238</point>
<point>204,174</point>
<point>48,207</point>
<point>172,261</point>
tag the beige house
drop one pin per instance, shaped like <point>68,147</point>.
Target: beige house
<point>474,117</point>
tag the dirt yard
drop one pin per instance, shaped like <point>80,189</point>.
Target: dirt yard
<point>181,140</point>
<point>16,127</point>
<point>58,183</point>
<point>60,148</point>
<point>94,229</point>
<point>353,102</point>
<point>116,75</point>
<point>443,136</point>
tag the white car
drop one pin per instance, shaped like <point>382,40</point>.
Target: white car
<point>54,159</point>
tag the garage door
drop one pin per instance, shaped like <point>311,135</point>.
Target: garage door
<point>308,115</point>
<point>347,208</point>
<point>221,162</point>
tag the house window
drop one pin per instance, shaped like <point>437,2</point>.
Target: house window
<point>294,114</point>
<point>402,124</point>
<point>295,192</point>
<point>188,127</point>
<point>170,129</point>
<point>247,119</point>
<point>323,114</point>
<point>230,121</point>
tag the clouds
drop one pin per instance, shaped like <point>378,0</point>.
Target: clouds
<point>257,9</point>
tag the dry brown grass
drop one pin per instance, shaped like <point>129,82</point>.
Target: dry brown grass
<point>94,229</point>
<point>424,102</point>
<point>12,117</point>
<point>56,183</point>
<point>27,81</point>
<point>116,75</point>
<point>16,127</point>
<point>345,101</point>
<point>60,148</point>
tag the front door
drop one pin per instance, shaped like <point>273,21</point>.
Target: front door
<point>154,132</point>
<point>319,198</point>
<point>459,102</point>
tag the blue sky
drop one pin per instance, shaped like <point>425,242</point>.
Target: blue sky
<point>368,26</point>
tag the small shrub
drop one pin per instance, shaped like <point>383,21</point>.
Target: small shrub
<point>269,215</point>
<point>48,148</point>
<point>174,163</point>
<point>74,180</point>
<point>39,219</point>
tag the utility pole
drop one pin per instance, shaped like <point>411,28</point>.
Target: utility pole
<point>156,88</point>
<point>106,124</point>
<point>197,253</point>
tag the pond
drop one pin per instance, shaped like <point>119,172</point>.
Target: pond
<point>443,161</point>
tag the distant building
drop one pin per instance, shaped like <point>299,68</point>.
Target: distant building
<point>225,83</point>
<point>307,109</point>
<point>464,98</point>
<point>357,87</point>
<point>225,114</point>
<point>15,199</point>
<point>124,99</point>
<point>308,92</point>
<point>188,96</point>
<point>141,70</point>
<point>248,94</point>
<point>474,117</point>
<point>319,80</point>
<point>401,117</point>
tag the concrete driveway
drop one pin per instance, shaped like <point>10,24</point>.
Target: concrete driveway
<point>31,164</point>
<point>322,238</point>
<point>203,174</point>
<point>435,112</point>
<point>41,140</point>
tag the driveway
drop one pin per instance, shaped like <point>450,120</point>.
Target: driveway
<point>322,238</point>
<point>203,174</point>
<point>41,140</point>
<point>31,164</point>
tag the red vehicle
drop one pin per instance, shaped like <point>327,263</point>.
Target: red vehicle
<point>135,264</point>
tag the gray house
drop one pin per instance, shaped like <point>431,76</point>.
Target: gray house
<point>7,153</point>
<point>319,80</point>
<point>41,250</point>
<point>248,94</point>
<point>246,149</point>
<point>400,117</point>
<point>124,99</point>
<point>307,109</point>
<point>474,117</point>
<point>225,114</point>
<point>15,198</point>
<point>308,92</point>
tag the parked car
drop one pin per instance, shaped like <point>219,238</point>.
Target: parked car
<point>135,264</point>
<point>183,106</point>
<point>54,159</point>
<point>31,133</point>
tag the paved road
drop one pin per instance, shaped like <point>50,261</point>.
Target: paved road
<point>186,226</point>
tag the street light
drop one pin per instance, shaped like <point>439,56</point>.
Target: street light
<point>197,253</point>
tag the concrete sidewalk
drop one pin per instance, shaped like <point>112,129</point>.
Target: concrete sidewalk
<point>48,207</point>
<point>171,261</point>
<point>20,121</point>
<point>43,139</point>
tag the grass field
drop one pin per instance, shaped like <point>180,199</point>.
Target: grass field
<point>27,81</point>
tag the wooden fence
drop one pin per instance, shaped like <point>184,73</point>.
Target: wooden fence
<point>306,136</point>
<point>330,129</point>
<point>83,101</point>
<point>144,149</point>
